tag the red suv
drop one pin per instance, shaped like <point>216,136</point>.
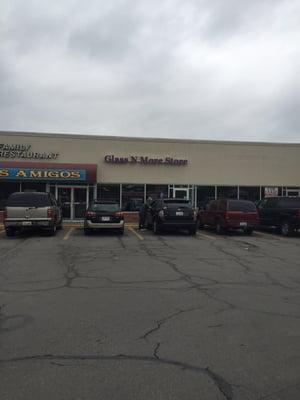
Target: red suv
<point>226,214</point>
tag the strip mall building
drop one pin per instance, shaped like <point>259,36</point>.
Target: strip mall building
<point>79,168</point>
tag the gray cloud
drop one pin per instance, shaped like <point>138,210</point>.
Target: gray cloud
<point>196,69</point>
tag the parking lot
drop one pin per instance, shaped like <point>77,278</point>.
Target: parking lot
<point>144,316</point>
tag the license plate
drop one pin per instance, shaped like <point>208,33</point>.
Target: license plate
<point>179,213</point>
<point>243,223</point>
<point>26,223</point>
<point>105,219</point>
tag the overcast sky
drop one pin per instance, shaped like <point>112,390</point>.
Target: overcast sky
<point>205,69</point>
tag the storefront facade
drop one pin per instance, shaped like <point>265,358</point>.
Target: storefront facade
<point>77,169</point>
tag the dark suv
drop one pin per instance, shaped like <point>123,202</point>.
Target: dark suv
<point>282,213</point>
<point>103,215</point>
<point>226,214</point>
<point>171,214</point>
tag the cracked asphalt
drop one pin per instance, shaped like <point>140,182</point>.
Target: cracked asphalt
<point>149,317</point>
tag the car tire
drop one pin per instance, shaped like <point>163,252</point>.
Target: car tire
<point>219,228</point>
<point>52,230</point>
<point>10,232</point>
<point>200,224</point>
<point>147,225</point>
<point>248,231</point>
<point>156,227</point>
<point>286,229</point>
<point>193,231</point>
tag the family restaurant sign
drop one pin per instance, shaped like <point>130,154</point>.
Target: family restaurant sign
<point>24,151</point>
<point>145,160</point>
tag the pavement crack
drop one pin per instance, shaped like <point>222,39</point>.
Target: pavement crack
<point>162,321</point>
<point>224,387</point>
<point>155,352</point>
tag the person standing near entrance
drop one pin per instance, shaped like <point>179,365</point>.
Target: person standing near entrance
<point>143,213</point>
<point>142,216</point>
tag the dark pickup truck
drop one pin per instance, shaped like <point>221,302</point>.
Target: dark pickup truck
<point>171,214</point>
<point>282,213</point>
<point>227,214</point>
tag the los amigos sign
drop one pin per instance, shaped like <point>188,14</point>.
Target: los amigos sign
<point>145,160</point>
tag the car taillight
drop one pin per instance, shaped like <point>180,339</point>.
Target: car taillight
<point>120,215</point>
<point>90,214</point>
<point>50,213</point>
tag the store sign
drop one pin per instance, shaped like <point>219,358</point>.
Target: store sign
<point>42,174</point>
<point>24,151</point>
<point>271,191</point>
<point>145,160</point>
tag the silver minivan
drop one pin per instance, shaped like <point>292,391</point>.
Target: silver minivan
<point>30,211</point>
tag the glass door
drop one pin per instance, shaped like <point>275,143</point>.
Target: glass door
<point>181,193</point>
<point>64,196</point>
<point>74,201</point>
<point>80,202</point>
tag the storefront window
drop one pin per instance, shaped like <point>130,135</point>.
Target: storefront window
<point>204,195</point>
<point>251,193</point>
<point>91,193</point>
<point>108,192</point>
<point>227,192</point>
<point>132,197</point>
<point>33,187</point>
<point>6,189</point>
<point>271,191</point>
<point>156,191</point>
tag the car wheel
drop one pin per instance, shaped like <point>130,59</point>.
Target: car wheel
<point>219,228</point>
<point>156,227</point>
<point>286,229</point>
<point>200,224</point>
<point>193,231</point>
<point>52,231</point>
<point>10,232</point>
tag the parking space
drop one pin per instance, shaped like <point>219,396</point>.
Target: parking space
<point>144,316</point>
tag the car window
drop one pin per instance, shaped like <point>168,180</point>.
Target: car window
<point>222,206</point>
<point>28,200</point>
<point>176,203</point>
<point>245,206</point>
<point>289,202</point>
<point>104,207</point>
<point>271,203</point>
<point>212,206</point>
